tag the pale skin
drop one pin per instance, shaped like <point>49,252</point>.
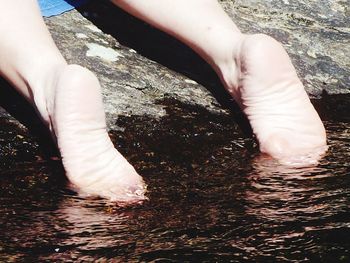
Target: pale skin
<point>255,70</point>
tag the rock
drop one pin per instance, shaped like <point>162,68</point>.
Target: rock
<point>315,33</point>
<point>132,84</point>
<point>139,66</point>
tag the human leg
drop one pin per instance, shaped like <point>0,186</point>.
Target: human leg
<point>255,69</point>
<point>68,99</point>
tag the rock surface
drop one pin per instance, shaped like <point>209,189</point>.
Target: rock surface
<point>315,33</point>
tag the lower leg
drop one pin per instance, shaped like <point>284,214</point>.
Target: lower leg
<point>68,99</point>
<point>201,24</point>
<point>255,69</point>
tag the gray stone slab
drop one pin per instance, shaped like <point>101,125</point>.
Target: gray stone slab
<point>138,66</point>
<point>315,33</point>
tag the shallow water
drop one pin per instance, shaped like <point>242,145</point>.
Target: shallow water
<point>212,198</point>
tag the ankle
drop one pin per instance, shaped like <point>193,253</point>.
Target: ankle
<point>228,67</point>
<point>43,88</point>
<point>232,69</point>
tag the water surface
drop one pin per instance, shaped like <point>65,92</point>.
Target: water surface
<point>213,198</point>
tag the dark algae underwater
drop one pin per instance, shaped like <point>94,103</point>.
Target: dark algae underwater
<point>212,198</point>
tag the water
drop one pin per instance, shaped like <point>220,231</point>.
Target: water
<point>213,198</point>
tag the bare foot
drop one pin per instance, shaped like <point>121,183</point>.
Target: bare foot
<point>270,93</point>
<point>73,109</point>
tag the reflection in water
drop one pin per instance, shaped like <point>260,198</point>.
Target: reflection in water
<point>90,226</point>
<point>272,183</point>
<point>211,199</point>
<point>299,207</point>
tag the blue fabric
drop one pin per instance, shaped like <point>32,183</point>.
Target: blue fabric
<point>56,7</point>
